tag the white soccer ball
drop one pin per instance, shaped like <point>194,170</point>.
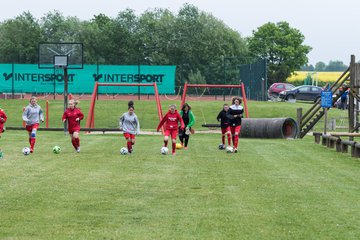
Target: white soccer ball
<point>229,149</point>
<point>124,151</point>
<point>26,151</point>
<point>56,149</point>
<point>164,150</point>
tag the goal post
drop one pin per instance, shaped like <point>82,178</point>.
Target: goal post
<point>90,121</point>
<point>241,86</point>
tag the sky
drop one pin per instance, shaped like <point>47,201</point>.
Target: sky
<point>329,26</point>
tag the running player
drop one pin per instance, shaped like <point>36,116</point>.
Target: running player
<point>171,119</point>
<point>32,115</point>
<point>73,116</point>
<point>235,114</point>
<point>130,125</point>
<point>224,124</point>
<point>189,120</point>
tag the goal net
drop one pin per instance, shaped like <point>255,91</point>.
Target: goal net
<point>106,109</point>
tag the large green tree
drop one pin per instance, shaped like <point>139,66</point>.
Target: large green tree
<point>283,47</point>
<point>19,39</point>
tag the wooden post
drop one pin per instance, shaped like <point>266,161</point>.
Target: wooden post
<point>298,120</point>
<point>351,108</point>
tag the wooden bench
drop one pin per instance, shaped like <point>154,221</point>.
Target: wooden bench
<point>330,141</point>
<point>344,146</point>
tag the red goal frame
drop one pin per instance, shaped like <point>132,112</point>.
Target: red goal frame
<point>90,121</point>
<point>187,85</point>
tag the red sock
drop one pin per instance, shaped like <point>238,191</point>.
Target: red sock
<point>165,143</point>
<point>173,147</point>
<point>129,146</point>
<point>223,139</point>
<point>229,139</point>
<point>77,141</point>
<point>233,139</point>
<point>32,142</point>
<point>236,141</point>
<point>73,143</point>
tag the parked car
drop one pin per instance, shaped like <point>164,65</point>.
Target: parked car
<point>276,88</point>
<point>305,92</point>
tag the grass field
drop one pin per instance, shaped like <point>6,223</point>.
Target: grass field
<point>271,189</point>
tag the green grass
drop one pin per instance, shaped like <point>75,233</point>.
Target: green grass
<point>271,189</point>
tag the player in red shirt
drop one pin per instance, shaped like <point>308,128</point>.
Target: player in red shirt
<point>171,121</point>
<point>73,115</point>
<point>3,119</point>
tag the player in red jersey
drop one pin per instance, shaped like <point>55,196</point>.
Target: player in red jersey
<point>3,119</point>
<point>171,121</point>
<point>73,115</point>
<point>235,114</point>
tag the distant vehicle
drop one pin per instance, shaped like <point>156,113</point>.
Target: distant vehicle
<point>276,88</point>
<point>305,92</point>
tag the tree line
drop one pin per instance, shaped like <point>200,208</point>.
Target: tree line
<point>203,48</point>
<point>333,66</point>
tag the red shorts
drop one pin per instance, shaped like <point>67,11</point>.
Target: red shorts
<point>72,130</point>
<point>172,133</point>
<point>129,135</point>
<point>29,128</point>
<point>235,129</point>
<point>224,130</point>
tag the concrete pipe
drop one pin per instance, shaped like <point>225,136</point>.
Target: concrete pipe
<point>268,128</point>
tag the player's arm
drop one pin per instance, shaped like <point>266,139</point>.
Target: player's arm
<point>64,117</point>
<point>24,115</point>
<point>41,115</point>
<point>181,122</point>
<point>137,125</point>
<point>218,118</point>
<point>230,114</point>
<point>3,117</point>
<point>80,115</point>
<point>192,119</point>
<point>121,121</point>
<point>161,122</point>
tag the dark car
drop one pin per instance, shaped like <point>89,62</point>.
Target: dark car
<point>305,92</point>
<point>276,88</point>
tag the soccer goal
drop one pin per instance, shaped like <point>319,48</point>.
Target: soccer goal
<point>90,121</point>
<point>218,86</point>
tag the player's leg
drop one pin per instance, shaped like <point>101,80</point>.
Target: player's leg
<point>166,138</point>
<point>33,136</point>
<point>186,137</point>
<point>77,141</point>
<point>223,131</point>
<point>237,132</point>
<point>128,141</point>
<point>173,137</point>
<point>181,136</point>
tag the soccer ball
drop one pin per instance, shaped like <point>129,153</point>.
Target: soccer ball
<point>229,149</point>
<point>56,149</point>
<point>221,147</point>
<point>178,146</point>
<point>164,150</point>
<point>124,151</point>
<point>26,151</point>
